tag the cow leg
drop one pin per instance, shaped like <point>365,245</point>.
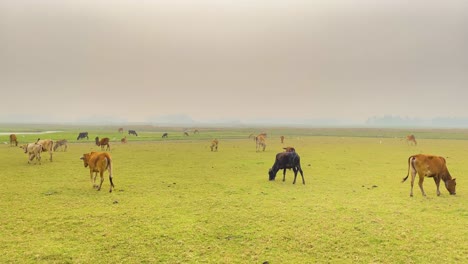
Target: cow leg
<point>420,183</point>
<point>110,180</point>
<point>284,174</point>
<point>101,174</point>
<point>295,175</point>
<point>413,176</point>
<point>437,182</point>
<point>302,175</point>
<point>93,179</point>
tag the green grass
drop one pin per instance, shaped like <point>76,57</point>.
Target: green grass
<point>177,202</point>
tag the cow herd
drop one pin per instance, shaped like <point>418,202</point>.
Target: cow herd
<point>98,162</point>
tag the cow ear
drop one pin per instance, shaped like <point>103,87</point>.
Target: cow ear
<point>453,179</point>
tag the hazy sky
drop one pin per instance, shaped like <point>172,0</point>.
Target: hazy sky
<point>236,59</point>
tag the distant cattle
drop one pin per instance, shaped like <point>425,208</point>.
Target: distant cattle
<point>430,166</point>
<point>132,132</point>
<point>33,150</point>
<point>82,135</point>
<point>62,144</point>
<point>98,162</point>
<point>47,146</point>
<point>164,135</point>
<point>282,139</point>
<point>120,130</point>
<point>103,142</point>
<point>286,160</point>
<point>410,139</point>
<point>260,143</point>
<point>13,139</point>
<point>289,149</point>
<point>196,131</point>
<point>214,145</point>
<point>124,140</point>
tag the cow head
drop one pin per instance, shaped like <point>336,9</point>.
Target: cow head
<point>450,185</point>
<point>272,174</point>
<point>25,148</point>
<point>85,159</point>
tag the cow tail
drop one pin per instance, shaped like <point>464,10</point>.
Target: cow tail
<point>109,167</point>
<point>409,164</point>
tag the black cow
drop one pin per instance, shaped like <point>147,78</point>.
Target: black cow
<point>82,135</point>
<point>164,135</point>
<point>286,160</point>
<point>132,132</point>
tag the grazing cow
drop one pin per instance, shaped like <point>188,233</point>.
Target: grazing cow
<point>34,150</point>
<point>263,135</point>
<point>98,162</point>
<point>132,132</point>
<point>260,143</point>
<point>282,139</point>
<point>214,145</point>
<point>82,135</point>
<point>121,130</point>
<point>289,149</point>
<point>430,166</point>
<point>164,135</point>
<point>47,145</point>
<point>124,140</point>
<point>14,139</point>
<point>186,134</point>
<point>411,139</point>
<point>63,144</point>
<point>103,142</point>
<point>286,160</point>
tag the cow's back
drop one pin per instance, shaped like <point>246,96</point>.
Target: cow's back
<point>429,164</point>
<point>99,160</point>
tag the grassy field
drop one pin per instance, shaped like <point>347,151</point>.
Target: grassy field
<point>177,202</point>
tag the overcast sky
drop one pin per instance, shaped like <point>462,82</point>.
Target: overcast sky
<point>233,59</point>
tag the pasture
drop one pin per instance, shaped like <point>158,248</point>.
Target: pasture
<point>175,201</point>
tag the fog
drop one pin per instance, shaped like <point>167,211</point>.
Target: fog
<point>139,61</point>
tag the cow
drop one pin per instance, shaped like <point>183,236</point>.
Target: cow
<point>260,143</point>
<point>98,162</point>
<point>13,139</point>
<point>132,132</point>
<point>196,131</point>
<point>214,145</point>
<point>120,130</point>
<point>286,160</point>
<point>124,140</point>
<point>63,144</point>
<point>164,135</point>
<point>82,135</point>
<point>34,150</point>
<point>430,166</point>
<point>103,142</point>
<point>47,146</point>
<point>289,149</point>
<point>282,139</point>
<point>186,134</point>
<point>410,139</point>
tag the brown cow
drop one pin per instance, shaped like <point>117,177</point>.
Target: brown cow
<point>14,139</point>
<point>282,139</point>
<point>260,142</point>
<point>121,130</point>
<point>103,142</point>
<point>430,166</point>
<point>124,140</point>
<point>289,149</point>
<point>47,145</point>
<point>411,139</point>
<point>98,162</point>
<point>214,145</point>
